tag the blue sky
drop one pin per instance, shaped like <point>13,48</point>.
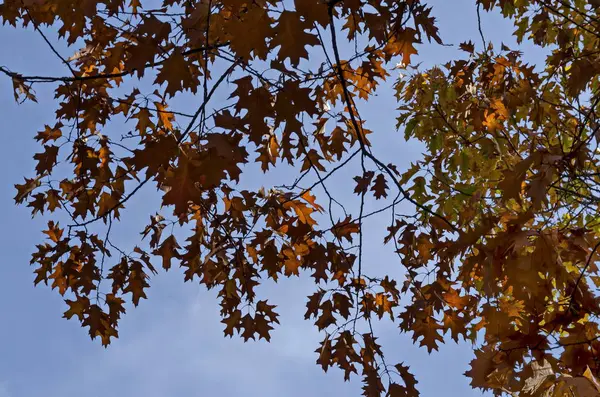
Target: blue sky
<point>172,344</point>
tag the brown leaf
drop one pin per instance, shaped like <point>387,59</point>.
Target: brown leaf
<point>46,160</point>
<point>77,307</point>
<point>168,251</point>
<point>380,187</point>
<point>363,182</point>
<point>177,73</point>
<point>345,229</point>
<point>49,134</point>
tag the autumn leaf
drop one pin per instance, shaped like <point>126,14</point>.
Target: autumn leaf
<point>181,183</point>
<point>325,318</point>
<point>380,187</point>
<point>46,160</point>
<point>291,37</point>
<point>54,233</point>
<point>165,117</point>
<point>468,47</point>
<point>136,282</point>
<point>481,367</point>
<point>77,307</point>
<point>232,322</point>
<point>363,182</point>
<point>49,134</point>
<point>427,332</point>
<point>313,159</point>
<point>291,266</point>
<point>107,204</point>
<point>21,88</point>
<point>402,44</point>
<point>177,73</point>
<point>345,229</point>
<point>302,211</point>
<point>25,189</point>
<point>511,184</point>
<point>312,201</point>
<point>168,251</point>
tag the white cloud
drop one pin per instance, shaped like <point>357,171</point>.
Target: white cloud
<point>176,346</point>
<point>4,390</point>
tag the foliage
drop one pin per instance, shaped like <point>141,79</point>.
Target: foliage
<point>503,246</point>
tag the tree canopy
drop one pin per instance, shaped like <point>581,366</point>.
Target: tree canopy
<point>503,244</point>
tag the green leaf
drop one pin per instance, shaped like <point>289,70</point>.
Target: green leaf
<point>410,127</point>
